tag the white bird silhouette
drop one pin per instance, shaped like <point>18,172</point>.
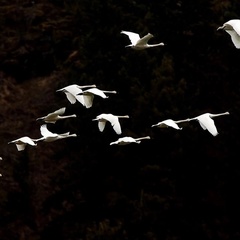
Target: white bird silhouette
<point>88,95</point>
<point>170,123</point>
<point>206,122</point>
<point>138,43</point>
<point>56,115</point>
<point>113,119</point>
<point>232,27</point>
<point>50,137</point>
<point>72,92</point>
<point>128,140</point>
<point>22,142</point>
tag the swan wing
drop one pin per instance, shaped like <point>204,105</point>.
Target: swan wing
<point>88,100</point>
<point>60,111</point>
<point>235,38</point>
<point>116,126</point>
<point>70,97</point>
<point>133,37</point>
<point>20,146</point>
<point>167,123</point>
<point>45,132</point>
<point>144,40</point>
<point>95,91</point>
<point>101,125</point>
<point>207,123</point>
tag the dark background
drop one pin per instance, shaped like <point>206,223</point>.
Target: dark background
<point>179,184</point>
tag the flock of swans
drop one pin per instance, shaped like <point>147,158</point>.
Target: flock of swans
<point>85,95</point>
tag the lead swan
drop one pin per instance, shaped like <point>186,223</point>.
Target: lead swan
<point>206,122</point>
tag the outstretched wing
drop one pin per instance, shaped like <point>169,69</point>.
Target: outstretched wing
<point>144,40</point>
<point>45,132</point>
<point>207,123</point>
<point>133,37</point>
<point>60,111</point>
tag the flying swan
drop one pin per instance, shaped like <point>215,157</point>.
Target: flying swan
<point>138,43</point>
<point>206,122</point>
<point>88,95</point>
<point>128,140</point>
<point>113,119</point>
<point>56,115</point>
<point>232,27</point>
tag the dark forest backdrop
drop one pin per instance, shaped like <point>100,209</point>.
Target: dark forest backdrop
<point>179,184</point>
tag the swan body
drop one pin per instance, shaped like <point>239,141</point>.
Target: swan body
<point>48,136</point>
<point>232,27</point>
<point>113,119</point>
<point>22,142</point>
<point>72,92</point>
<point>170,123</point>
<point>128,140</point>
<point>138,43</point>
<point>206,122</point>
<point>56,115</point>
<point>88,95</point>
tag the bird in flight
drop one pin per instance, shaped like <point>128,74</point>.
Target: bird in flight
<point>206,122</point>
<point>128,140</point>
<point>72,91</point>
<point>56,115</point>
<point>48,136</point>
<point>113,119</point>
<point>170,123</point>
<point>88,95</point>
<point>232,27</point>
<point>138,43</point>
<point>22,142</point>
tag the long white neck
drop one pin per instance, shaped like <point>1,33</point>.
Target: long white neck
<point>109,91</point>
<point>68,116</point>
<point>88,86</point>
<point>156,45</point>
<point>141,138</point>
<point>124,116</point>
<point>219,114</point>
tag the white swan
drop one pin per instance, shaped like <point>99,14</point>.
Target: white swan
<point>113,119</point>
<point>170,123</point>
<point>56,115</point>
<point>72,92</point>
<point>50,137</point>
<point>22,142</point>
<point>206,122</point>
<point>88,95</point>
<point>232,27</point>
<point>140,43</point>
<point>128,140</point>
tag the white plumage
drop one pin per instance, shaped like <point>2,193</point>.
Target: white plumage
<point>140,43</point>
<point>232,27</point>
<point>113,119</point>
<point>206,122</point>
<point>72,92</point>
<point>22,142</point>
<point>56,115</point>
<point>170,123</point>
<point>88,95</point>
<point>48,136</point>
<point>128,140</point>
